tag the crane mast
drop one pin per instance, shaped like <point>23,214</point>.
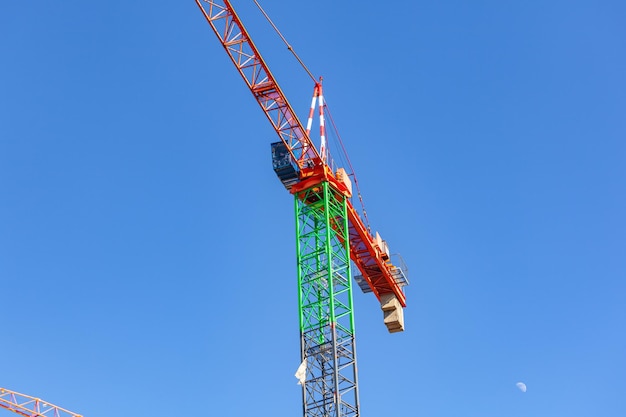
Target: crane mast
<point>330,235</point>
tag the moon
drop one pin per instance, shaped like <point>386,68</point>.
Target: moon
<point>521,386</point>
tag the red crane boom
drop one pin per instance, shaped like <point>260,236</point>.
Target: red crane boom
<point>255,72</point>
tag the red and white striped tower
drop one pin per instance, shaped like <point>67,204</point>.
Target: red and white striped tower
<point>317,95</point>
<point>323,152</point>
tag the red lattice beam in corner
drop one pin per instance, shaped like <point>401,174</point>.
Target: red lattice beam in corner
<point>28,406</point>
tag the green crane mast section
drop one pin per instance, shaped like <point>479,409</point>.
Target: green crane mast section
<point>325,301</point>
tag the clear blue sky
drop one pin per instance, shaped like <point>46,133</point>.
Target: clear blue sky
<point>147,250</point>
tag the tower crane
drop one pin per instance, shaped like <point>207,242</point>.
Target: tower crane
<point>28,406</point>
<point>330,233</point>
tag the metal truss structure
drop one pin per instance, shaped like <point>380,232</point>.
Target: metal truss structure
<point>28,406</point>
<point>253,69</point>
<point>330,232</point>
<point>325,303</point>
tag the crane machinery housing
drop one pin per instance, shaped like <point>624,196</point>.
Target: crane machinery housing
<point>331,234</point>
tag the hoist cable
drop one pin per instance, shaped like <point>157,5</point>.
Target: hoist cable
<point>285,41</point>
<point>356,182</point>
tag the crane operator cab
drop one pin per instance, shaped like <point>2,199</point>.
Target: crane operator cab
<point>284,167</point>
